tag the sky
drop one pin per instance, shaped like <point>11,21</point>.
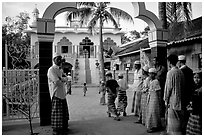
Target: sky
<point>13,9</point>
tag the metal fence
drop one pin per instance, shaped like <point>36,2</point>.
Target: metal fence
<point>20,94</point>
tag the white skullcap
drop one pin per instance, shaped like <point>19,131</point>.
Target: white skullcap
<point>152,70</point>
<point>120,74</point>
<point>181,57</point>
<point>56,54</point>
<point>145,68</point>
<point>137,62</point>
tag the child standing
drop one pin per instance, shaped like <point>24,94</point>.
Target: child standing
<point>122,97</point>
<point>85,89</point>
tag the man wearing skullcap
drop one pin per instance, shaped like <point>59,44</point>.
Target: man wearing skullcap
<point>174,87</point>
<point>145,87</point>
<point>137,86</point>
<point>153,116</point>
<point>186,94</point>
<point>59,111</point>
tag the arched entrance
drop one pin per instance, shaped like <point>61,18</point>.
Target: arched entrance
<point>46,30</point>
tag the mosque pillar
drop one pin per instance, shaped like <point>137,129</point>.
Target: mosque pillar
<point>45,32</point>
<point>157,42</point>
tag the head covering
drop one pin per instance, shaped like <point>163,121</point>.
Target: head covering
<point>56,55</point>
<point>109,74</point>
<point>152,70</point>
<point>120,74</point>
<point>181,57</point>
<point>146,68</point>
<point>137,62</point>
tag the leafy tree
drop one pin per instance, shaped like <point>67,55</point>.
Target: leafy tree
<point>91,13</point>
<point>132,35</point>
<point>17,41</point>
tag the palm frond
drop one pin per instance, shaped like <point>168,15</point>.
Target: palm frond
<point>109,16</point>
<point>92,23</point>
<point>87,4</point>
<point>120,13</point>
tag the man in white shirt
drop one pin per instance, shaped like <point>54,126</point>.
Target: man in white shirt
<point>59,111</point>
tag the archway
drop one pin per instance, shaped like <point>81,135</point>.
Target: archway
<point>46,29</point>
<point>157,36</point>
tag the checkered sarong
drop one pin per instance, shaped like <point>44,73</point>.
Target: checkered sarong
<point>153,119</point>
<point>144,107</point>
<point>59,113</point>
<point>122,101</point>
<point>174,121</point>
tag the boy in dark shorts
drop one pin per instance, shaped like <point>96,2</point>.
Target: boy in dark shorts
<point>112,88</point>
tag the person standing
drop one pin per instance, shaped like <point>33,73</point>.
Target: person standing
<point>172,96</point>
<point>153,116</point>
<point>161,77</point>
<point>102,91</point>
<point>59,111</point>
<point>187,92</point>
<point>145,87</point>
<point>122,96</point>
<point>85,89</point>
<point>137,87</point>
<point>69,84</point>
<point>112,88</point>
<point>194,125</point>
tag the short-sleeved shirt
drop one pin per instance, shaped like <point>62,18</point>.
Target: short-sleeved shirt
<point>112,84</point>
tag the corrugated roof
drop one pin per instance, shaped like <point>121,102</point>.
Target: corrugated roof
<point>134,47</point>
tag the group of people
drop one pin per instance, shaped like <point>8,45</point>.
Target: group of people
<point>114,89</point>
<point>173,96</point>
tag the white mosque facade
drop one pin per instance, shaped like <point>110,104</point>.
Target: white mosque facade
<point>78,47</point>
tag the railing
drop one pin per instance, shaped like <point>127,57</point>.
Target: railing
<point>20,94</point>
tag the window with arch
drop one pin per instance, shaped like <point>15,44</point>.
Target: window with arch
<point>65,46</point>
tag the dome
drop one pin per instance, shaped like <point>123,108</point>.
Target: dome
<point>36,11</point>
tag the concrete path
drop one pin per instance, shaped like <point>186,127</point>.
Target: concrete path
<point>87,117</point>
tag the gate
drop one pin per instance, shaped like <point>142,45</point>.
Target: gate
<point>20,94</point>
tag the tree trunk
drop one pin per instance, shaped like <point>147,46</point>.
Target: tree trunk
<point>162,14</point>
<point>101,51</point>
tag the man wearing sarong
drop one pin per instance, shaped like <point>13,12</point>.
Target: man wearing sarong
<point>112,88</point>
<point>187,92</point>
<point>59,111</point>
<point>122,96</point>
<point>137,87</point>
<point>172,96</point>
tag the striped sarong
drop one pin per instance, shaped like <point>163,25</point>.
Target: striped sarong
<point>174,121</point>
<point>111,104</point>
<point>194,126</point>
<point>59,113</point>
<point>122,101</point>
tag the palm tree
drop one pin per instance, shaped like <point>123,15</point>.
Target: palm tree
<point>170,13</point>
<point>91,13</point>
